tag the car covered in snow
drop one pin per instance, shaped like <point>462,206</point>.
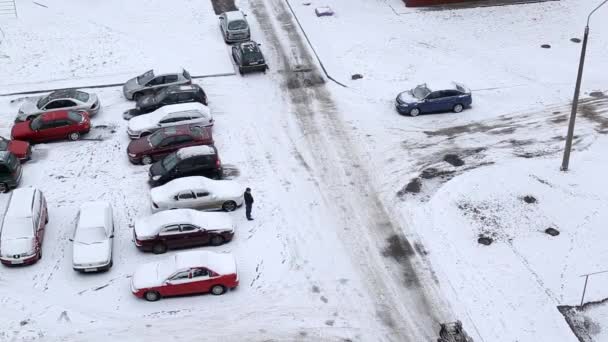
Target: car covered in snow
<point>21,149</point>
<point>181,228</point>
<point>157,145</point>
<point>59,100</point>
<point>248,57</point>
<point>188,161</point>
<point>23,227</point>
<point>93,237</point>
<point>53,126</point>
<point>185,273</point>
<point>234,26</point>
<point>171,115</point>
<point>422,99</point>
<point>167,96</point>
<point>10,171</point>
<point>153,80</point>
<point>197,192</point>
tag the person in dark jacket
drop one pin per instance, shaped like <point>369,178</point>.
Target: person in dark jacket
<point>248,203</point>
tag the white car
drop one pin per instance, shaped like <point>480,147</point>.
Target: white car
<point>197,192</point>
<point>93,237</point>
<point>170,115</point>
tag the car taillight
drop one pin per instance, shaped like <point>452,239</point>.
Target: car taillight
<point>218,163</point>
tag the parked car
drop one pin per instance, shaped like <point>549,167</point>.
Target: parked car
<point>234,27</point>
<point>151,81</point>
<point>182,228</point>
<point>153,147</point>
<point>248,57</point>
<point>10,171</point>
<point>188,161</point>
<point>93,237</point>
<point>185,273</point>
<point>422,99</point>
<point>53,126</point>
<point>23,227</point>
<point>167,96</point>
<point>197,192</point>
<point>167,116</point>
<point>59,100</point>
<point>21,149</point>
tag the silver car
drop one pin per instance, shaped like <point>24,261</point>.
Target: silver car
<point>234,27</point>
<point>151,81</point>
<point>58,100</point>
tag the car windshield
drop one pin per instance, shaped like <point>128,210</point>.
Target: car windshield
<point>237,25</point>
<point>90,235</point>
<point>420,92</point>
<point>156,138</point>
<point>36,124</point>
<point>170,161</point>
<point>145,77</point>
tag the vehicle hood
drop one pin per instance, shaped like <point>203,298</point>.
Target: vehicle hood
<point>132,85</point>
<point>148,275</point>
<point>19,148</point>
<point>139,146</point>
<point>142,122</point>
<point>145,101</point>
<point>92,253</point>
<point>406,97</point>
<point>21,130</point>
<point>29,106</point>
<point>10,247</point>
<point>158,195</point>
<point>227,188</point>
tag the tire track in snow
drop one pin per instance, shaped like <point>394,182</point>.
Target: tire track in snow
<point>347,188</point>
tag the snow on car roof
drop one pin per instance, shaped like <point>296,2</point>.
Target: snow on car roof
<point>182,107</point>
<point>167,70</point>
<point>185,183</point>
<point>201,150</point>
<point>441,85</point>
<point>92,214</point>
<point>234,15</point>
<point>222,263</point>
<point>21,203</point>
<point>150,225</point>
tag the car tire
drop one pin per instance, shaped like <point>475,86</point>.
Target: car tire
<point>414,111</point>
<point>4,188</point>
<point>229,206</point>
<point>218,290</point>
<point>74,136</point>
<point>216,240</point>
<point>159,248</point>
<point>458,108</point>
<point>151,296</point>
<point>146,160</point>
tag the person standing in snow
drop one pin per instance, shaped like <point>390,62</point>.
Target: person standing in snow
<point>248,203</point>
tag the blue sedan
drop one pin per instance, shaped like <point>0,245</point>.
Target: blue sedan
<point>421,99</point>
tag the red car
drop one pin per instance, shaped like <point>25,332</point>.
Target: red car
<point>21,149</point>
<point>185,273</point>
<point>53,126</point>
<point>166,140</point>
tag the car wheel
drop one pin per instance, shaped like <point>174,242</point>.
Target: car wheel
<point>4,188</point>
<point>152,296</point>
<point>74,136</point>
<point>159,248</point>
<point>414,112</point>
<point>146,160</point>
<point>218,290</point>
<point>229,206</point>
<point>217,240</point>
<point>458,108</point>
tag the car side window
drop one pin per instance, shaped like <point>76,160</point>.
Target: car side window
<point>170,230</point>
<point>449,93</point>
<point>202,194</point>
<point>167,120</point>
<point>62,123</point>
<point>156,81</point>
<point>60,104</point>
<point>185,195</point>
<point>180,276</point>
<point>432,96</point>
<point>170,78</point>
<point>182,139</point>
<point>200,273</point>
<point>168,142</point>
<point>188,228</point>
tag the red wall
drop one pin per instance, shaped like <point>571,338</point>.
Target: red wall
<point>415,3</point>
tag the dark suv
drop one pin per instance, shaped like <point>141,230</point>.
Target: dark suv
<point>170,95</point>
<point>188,161</point>
<point>248,57</point>
<point>10,171</point>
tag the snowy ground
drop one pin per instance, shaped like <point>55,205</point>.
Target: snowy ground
<point>327,257</point>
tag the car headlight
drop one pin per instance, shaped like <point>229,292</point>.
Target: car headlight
<point>155,178</point>
<point>132,155</point>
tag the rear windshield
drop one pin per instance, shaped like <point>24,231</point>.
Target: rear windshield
<point>237,25</point>
<point>75,116</point>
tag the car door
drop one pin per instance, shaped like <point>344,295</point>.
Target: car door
<point>203,166</point>
<point>166,122</point>
<point>171,236</point>
<point>169,99</point>
<point>205,200</point>
<point>186,168</point>
<point>200,281</point>
<point>177,284</point>
<point>50,130</point>
<point>432,103</point>
<point>450,99</point>
<point>184,141</point>
<point>193,236</point>
<point>186,199</point>
<point>156,82</point>
<point>64,128</point>
<point>59,104</point>
<point>165,147</point>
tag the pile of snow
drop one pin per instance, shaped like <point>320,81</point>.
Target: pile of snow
<point>324,11</point>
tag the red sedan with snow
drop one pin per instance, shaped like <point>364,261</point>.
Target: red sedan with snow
<point>53,126</point>
<point>21,149</point>
<point>185,273</point>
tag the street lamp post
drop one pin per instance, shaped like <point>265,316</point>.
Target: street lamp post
<point>577,89</point>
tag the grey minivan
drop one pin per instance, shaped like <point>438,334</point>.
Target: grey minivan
<point>234,27</point>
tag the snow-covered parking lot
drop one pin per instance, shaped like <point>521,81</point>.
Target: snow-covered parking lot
<point>366,222</point>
